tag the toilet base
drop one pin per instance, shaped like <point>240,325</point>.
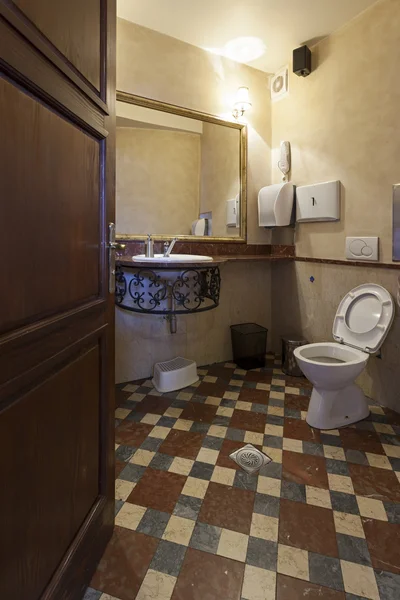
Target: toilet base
<point>329,409</point>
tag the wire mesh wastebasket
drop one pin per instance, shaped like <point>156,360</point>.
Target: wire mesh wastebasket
<point>249,343</point>
<point>289,362</point>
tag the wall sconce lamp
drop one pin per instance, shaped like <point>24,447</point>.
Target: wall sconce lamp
<point>242,102</point>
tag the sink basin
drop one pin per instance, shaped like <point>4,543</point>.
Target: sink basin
<point>189,258</point>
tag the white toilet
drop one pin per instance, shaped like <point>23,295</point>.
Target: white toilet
<point>361,324</point>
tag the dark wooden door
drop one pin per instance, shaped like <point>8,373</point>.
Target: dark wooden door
<point>57,126</point>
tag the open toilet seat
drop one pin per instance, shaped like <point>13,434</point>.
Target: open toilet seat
<point>331,353</point>
<point>364,317</point>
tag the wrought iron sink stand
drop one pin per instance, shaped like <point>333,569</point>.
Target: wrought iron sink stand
<point>168,290</point>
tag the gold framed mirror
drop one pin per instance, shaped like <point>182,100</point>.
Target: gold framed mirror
<point>180,173</point>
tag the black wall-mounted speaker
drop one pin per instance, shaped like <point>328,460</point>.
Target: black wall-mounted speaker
<point>302,61</point>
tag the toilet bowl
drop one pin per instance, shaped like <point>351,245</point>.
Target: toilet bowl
<point>361,324</point>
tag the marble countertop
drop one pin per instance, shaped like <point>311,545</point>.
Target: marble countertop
<point>126,261</point>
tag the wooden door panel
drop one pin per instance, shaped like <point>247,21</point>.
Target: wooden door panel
<point>57,154</point>
<point>51,467</point>
<point>23,351</point>
<point>74,27</point>
<point>56,251</point>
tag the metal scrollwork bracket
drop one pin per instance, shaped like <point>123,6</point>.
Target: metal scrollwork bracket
<point>167,291</point>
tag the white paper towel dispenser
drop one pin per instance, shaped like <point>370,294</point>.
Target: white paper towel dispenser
<point>318,202</point>
<point>275,205</point>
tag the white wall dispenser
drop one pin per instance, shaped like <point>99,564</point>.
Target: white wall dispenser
<point>319,202</point>
<point>199,227</point>
<point>275,205</point>
<point>232,212</point>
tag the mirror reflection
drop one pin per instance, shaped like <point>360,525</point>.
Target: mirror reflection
<point>176,175</point>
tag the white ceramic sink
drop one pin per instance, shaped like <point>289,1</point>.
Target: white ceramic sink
<point>189,258</point>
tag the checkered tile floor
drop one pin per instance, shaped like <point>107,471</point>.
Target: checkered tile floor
<point>321,520</point>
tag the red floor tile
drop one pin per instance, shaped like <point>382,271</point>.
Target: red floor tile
<point>253,395</point>
<point>289,588</point>
<point>383,544</point>
<point>305,468</point>
<point>158,489</point>
<point>380,484</point>
<point>219,370</point>
<point>300,430</point>
<point>299,382</point>
<point>392,417</point>
<point>208,577</point>
<point>259,377</point>
<point>359,439</point>
<point>297,402</point>
<point>307,527</point>
<point>250,421</point>
<point>124,564</point>
<point>185,444</point>
<point>227,507</point>
<point>211,389</point>
<point>131,433</point>
<point>194,411</point>
<point>121,396</point>
<point>153,404</point>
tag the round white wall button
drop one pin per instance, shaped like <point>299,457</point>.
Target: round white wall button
<point>366,251</point>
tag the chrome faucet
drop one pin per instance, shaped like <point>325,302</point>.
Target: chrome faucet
<point>168,247</point>
<point>149,247</point>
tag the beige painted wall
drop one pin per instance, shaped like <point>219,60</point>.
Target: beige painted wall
<point>220,174</point>
<point>157,66</point>
<point>142,340</point>
<point>343,122</point>
<point>157,180</point>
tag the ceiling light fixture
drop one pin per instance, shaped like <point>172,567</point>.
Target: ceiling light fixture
<point>244,49</point>
<point>241,49</point>
<point>242,102</point>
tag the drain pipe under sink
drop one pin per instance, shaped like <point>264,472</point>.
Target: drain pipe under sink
<point>171,317</point>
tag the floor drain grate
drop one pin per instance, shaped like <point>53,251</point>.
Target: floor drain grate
<point>250,459</point>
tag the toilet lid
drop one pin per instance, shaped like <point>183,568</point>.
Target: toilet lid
<point>364,317</point>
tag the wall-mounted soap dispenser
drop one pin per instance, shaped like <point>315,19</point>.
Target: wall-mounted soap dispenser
<point>275,205</point>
